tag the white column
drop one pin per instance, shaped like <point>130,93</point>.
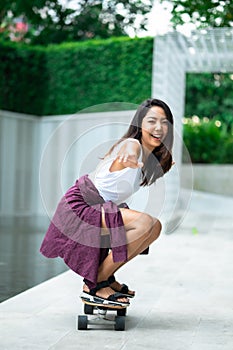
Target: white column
<point>168,84</point>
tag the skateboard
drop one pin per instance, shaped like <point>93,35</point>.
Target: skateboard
<point>98,316</point>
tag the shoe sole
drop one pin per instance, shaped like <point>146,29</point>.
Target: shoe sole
<point>97,301</point>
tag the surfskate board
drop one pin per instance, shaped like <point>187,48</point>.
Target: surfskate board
<point>99,315</point>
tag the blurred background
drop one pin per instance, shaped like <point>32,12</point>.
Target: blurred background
<point>92,63</point>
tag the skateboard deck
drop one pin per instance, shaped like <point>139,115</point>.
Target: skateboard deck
<point>97,315</point>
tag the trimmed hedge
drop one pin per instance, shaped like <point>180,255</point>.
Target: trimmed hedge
<point>66,78</point>
<point>23,78</point>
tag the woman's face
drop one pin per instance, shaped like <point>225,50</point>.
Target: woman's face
<point>154,128</point>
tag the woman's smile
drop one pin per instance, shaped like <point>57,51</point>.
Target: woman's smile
<point>154,128</point>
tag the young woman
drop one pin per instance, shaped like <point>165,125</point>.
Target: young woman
<point>93,230</point>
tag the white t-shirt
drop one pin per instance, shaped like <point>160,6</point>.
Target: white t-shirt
<point>116,186</point>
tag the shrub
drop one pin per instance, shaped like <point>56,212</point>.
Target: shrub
<point>200,90</point>
<point>207,141</point>
<point>227,155</point>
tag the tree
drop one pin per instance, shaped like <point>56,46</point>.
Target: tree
<point>202,13</point>
<point>55,21</point>
<point>199,98</point>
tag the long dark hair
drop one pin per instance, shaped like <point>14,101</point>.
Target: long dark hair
<point>160,159</point>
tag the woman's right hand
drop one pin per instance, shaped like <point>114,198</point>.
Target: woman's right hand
<point>128,155</point>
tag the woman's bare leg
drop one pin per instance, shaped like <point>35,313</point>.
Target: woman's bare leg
<point>141,231</point>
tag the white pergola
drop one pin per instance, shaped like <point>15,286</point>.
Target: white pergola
<point>50,138</point>
<point>209,50</point>
<point>175,55</point>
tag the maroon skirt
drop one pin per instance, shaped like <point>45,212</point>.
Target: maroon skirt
<point>74,233</point>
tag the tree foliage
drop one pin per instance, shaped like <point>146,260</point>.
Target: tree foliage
<point>202,13</point>
<point>56,21</point>
<point>210,95</point>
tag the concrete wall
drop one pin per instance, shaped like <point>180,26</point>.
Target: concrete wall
<point>19,140</point>
<point>209,178</point>
<point>40,157</point>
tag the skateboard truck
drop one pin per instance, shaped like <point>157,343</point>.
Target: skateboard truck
<point>100,318</point>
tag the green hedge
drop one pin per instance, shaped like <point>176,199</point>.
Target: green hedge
<point>210,95</point>
<point>207,141</point>
<point>66,78</point>
<point>22,78</point>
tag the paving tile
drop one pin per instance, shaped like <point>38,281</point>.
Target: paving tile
<point>183,297</point>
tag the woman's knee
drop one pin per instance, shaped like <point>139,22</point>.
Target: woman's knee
<point>151,227</point>
<point>146,222</point>
<point>156,228</point>
<point>143,223</point>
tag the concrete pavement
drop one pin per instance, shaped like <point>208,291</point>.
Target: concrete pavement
<point>184,295</point>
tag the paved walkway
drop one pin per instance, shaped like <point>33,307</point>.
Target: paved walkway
<point>184,295</point>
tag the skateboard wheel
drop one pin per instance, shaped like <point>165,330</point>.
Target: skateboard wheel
<point>120,323</point>
<point>121,312</point>
<point>88,309</point>
<point>82,322</point>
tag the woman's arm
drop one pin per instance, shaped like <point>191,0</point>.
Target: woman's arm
<point>127,156</point>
